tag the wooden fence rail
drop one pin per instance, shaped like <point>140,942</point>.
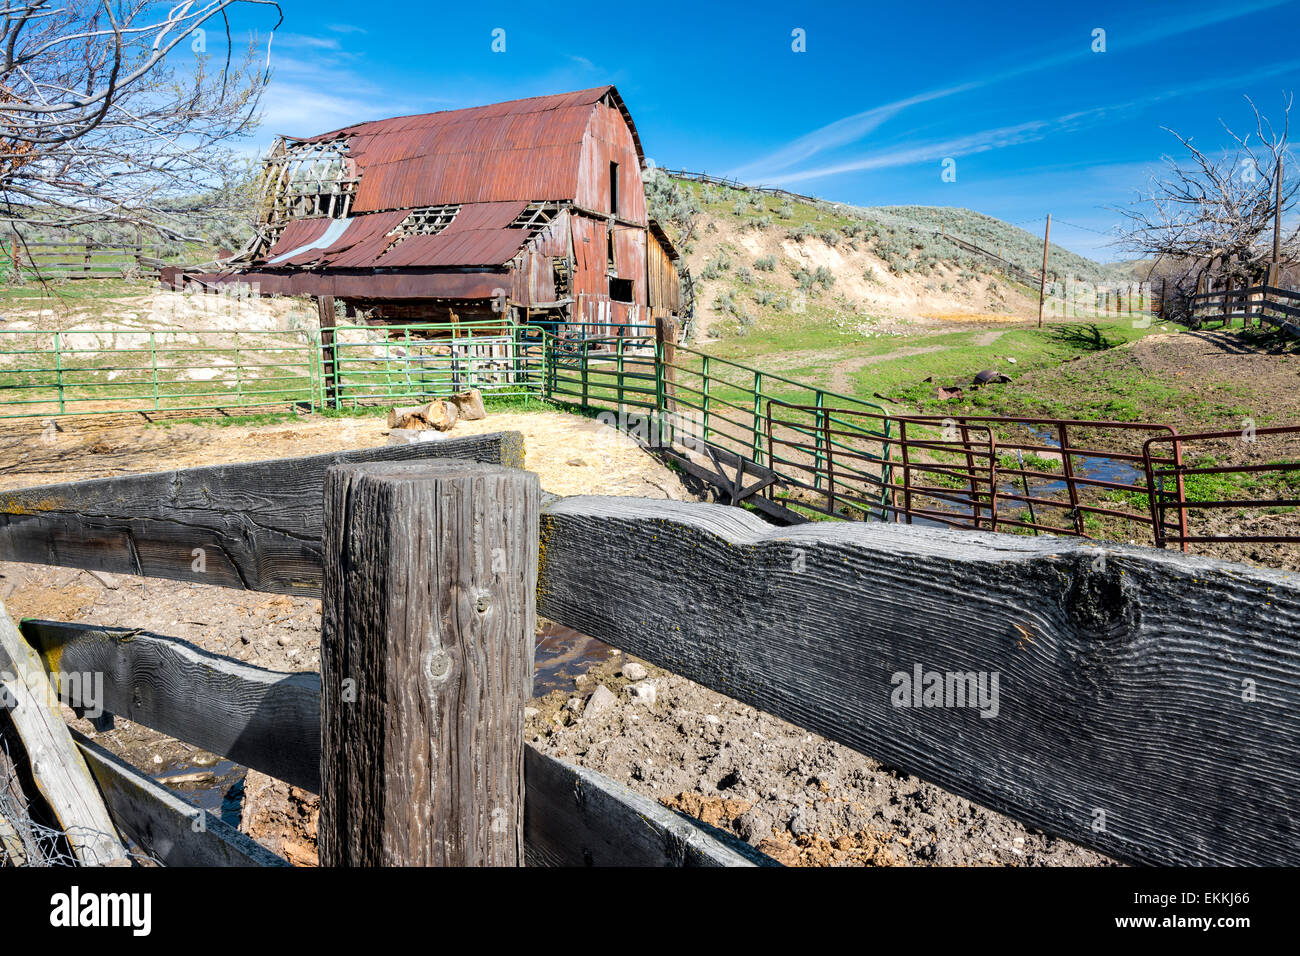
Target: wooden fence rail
<point>270,721</point>
<point>1139,702</point>
<point>254,526</point>
<point>1265,304</point>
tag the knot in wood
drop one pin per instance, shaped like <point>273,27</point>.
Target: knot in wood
<point>437,666</point>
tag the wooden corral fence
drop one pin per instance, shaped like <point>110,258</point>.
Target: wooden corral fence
<point>80,259</point>
<point>418,536</point>
<point>1264,304</point>
<point>1142,703</point>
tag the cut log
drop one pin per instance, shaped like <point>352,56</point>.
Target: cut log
<point>440,415</point>
<point>402,417</point>
<point>57,767</point>
<point>469,405</point>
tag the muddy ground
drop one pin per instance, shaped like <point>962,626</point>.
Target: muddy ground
<point>802,799</point>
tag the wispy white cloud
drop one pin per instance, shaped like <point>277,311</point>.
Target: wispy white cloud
<point>853,128</point>
<point>971,143</point>
<point>847,130</point>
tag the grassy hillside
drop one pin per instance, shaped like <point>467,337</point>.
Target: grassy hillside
<point>763,263</point>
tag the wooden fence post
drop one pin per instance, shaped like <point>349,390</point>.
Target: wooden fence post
<point>330,365</point>
<point>429,614</point>
<point>666,358</point>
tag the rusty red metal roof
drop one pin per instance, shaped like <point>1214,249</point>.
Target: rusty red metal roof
<point>519,150</point>
<point>480,234</point>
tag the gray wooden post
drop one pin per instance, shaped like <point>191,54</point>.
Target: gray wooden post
<point>429,614</point>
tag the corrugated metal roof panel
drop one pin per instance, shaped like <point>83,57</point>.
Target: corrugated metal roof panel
<point>298,232</point>
<point>479,235</point>
<point>523,149</point>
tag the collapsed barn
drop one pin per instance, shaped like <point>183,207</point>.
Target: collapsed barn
<point>529,211</point>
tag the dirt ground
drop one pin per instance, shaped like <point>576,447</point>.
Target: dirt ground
<point>799,798</point>
<point>802,799</point>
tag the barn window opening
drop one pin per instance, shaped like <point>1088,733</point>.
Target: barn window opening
<point>425,221</point>
<point>610,263</point>
<point>536,217</point>
<point>613,188</point>
<point>620,290</point>
<point>307,179</point>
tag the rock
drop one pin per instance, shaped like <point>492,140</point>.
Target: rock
<point>754,825</point>
<point>600,701</point>
<point>469,405</point>
<point>530,712</point>
<point>799,824</point>
<point>575,462</point>
<point>643,692</point>
<point>784,853</point>
<point>634,671</point>
<point>574,704</point>
<point>104,578</point>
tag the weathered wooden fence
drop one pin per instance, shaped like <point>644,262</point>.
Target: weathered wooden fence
<point>1264,304</point>
<point>1139,702</point>
<point>445,679</point>
<point>79,259</point>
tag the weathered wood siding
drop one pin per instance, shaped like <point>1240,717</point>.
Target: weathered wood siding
<point>663,289</point>
<point>608,139</point>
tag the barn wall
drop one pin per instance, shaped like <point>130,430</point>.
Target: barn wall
<point>609,139</point>
<point>663,290</point>
<point>533,279</point>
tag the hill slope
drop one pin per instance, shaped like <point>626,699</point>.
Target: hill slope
<point>760,260</point>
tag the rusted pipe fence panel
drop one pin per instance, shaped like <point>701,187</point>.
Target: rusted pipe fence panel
<point>1194,495</point>
<point>1063,476</point>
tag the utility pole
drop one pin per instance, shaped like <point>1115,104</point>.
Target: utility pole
<point>1275,273</point>
<point>1042,282</point>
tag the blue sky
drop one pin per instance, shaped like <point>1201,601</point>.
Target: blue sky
<point>1013,93</point>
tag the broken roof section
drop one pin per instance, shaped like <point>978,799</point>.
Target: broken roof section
<point>435,190</point>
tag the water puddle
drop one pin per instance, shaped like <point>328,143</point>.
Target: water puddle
<point>563,654</point>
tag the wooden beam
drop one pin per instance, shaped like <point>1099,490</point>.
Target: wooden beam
<point>427,632</point>
<point>59,772</point>
<point>1145,702</point>
<point>329,352</point>
<point>165,826</point>
<point>572,816</point>
<point>575,817</point>
<point>254,525</point>
<point>226,707</point>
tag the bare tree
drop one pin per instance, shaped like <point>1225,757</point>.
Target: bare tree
<point>98,125</point>
<point>1214,213</point>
